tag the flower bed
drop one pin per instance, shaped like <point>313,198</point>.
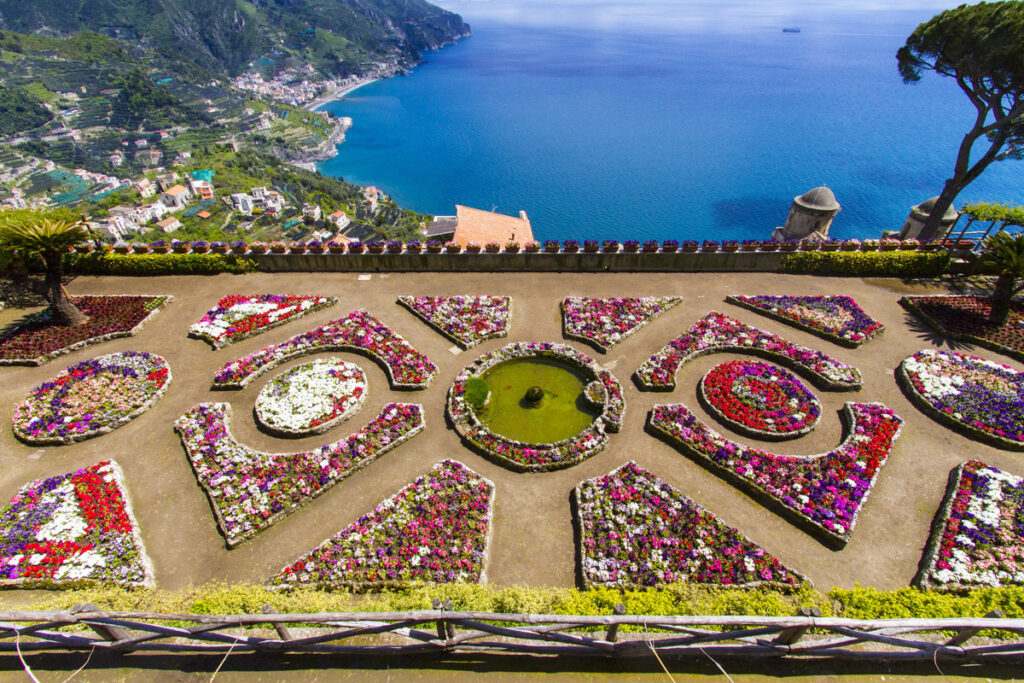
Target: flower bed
<point>72,530</point>
<point>250,490</point>
<point>38,339</point>
<point>311,398</point>
<point>604,323</point>
<point>239,316</point>
<point>717,332</point>
<point>91,398</point>
<point>537,457</point>
<point>466,320</point>
<point>821,493</point>
<point>635,530</point>
<point>978,397</point>
<point>978,538</point>
<point>966,318</point>
<point>434,530</point>
<point>359,331</point>
<point>759,399</point>
<point>836,318</point>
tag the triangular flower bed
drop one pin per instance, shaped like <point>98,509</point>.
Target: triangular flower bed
<point>978,537</point>
<point>250,490</point>
<point>836,318</point>
<point>71,530</point>
<point>466,320</point>
<point>636,531</point>
<point>434,530</point>
<point>359,331</point>
<point>238,316</point>
<point>823,494</point>
<point>603,323</point>
<point>717,332</point>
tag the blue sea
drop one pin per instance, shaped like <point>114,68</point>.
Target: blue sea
<point>666,120</point>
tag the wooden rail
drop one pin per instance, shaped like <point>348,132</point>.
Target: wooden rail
<point>441,630</point>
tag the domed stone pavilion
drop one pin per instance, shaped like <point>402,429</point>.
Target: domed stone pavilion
<point>810,216</point>
<point>919,214</point>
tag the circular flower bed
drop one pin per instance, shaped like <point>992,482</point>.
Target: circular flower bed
<point>91,398</point>
<point>311,398</point>
<point>979,397</point>
<point>539,457</point>
<point>760,399</point>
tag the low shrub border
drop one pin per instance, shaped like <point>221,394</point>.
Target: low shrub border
<point>158,264</point>
<point>867,264</point>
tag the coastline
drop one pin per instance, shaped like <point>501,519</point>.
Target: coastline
<point>339,93</point>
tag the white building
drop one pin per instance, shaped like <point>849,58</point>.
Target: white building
<point>243,203</point>
<point>176,197</point>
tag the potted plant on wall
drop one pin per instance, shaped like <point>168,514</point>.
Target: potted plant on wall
<point>670,246</point>
<point>356,247</point>
<point>472,247</point>
<point>452,247</point>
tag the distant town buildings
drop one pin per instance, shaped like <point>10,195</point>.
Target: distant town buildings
<point>176,197</point>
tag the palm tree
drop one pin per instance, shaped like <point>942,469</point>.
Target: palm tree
<point>1004,254</point>
<point>49,237</point>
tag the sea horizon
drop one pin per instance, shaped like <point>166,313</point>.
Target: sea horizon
<point>704,125</point>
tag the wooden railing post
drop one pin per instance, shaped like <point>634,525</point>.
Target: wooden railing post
<point>791,635</point>
<point>283,632</point>
<point>442,630</point>
<point>104,631</point>
<point>613,629</point>
<point>963,635</point>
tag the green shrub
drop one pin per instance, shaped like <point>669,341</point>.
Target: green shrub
<point>477,391</point>
<point>867,263</point>
<point>869,603</point>
<point>158,264</point>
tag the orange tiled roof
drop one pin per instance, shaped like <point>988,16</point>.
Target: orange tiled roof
<point>481,227</point>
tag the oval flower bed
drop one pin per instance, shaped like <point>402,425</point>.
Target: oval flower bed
<point>91,398</point>
<point>821,493</point>
<point>759,399</point>
<point>836,318</point>
<point>466,320</point>
<point>717,332</point>
<point>537,457</point>
<point>239,316</point>
<point>311,398</point>
<point>606,322</point>
<point>635,530</point>
<point>978,397</point>
<point>71,530</point>
<point>434,530</point>
<point>978,539</point>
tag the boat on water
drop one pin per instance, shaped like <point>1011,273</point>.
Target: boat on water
<point>791,29</point>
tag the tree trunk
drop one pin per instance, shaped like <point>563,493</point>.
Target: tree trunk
<point>1002,298</point>
<point>64,312</point>
<point>945,200</point>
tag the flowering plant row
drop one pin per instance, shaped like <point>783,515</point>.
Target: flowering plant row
<point>636,530</point>
<point>978,540</point>
<point>823,493</point>
<point>466,320</point>
<point>836,318</point>
<point>91,398</point>
<point>980,397</point>
<point>311,398</point>
<point>238,316</point>
<point>966,318</point>
<point>760,399</point>
<point>73,529</point>
<point>434,530</point>
<point>606,322</point>
<point>531,456</point>
<point>717,332</point>
<point>407,368</point>
<point>250,490</point>
<point>39,339</point>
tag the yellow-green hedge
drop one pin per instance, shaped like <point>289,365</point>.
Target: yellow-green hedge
<point>867,263</point>
<point>158,264</point>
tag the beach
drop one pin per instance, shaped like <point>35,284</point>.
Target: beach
<point>339,93</point>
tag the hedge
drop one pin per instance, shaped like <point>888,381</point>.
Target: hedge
<point>867,263</point>
<point>158,264</point>
<point>868,603</point>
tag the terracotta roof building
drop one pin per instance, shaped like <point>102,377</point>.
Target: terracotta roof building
<point>482,227</point>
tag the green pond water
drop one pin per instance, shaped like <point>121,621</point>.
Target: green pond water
<point>561,414</point>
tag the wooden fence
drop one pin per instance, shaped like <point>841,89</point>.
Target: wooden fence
<point>443,631</point>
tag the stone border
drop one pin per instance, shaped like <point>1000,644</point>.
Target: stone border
<point>47,357</point>
<point>958,426</point>
<point>217,346</point>
<point>908,303</point>
<point>106,429</point>
<point>741,428</point>
<point>148,573</point>
<point>235,541</point>
<point>370,586</point>
<point>468,426</point>
<point>402,301</point>
<point>824,535</point>
<point>577,520</point>
<point>320,428</point>
<point>625,335</point>
<point>811,329</point>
